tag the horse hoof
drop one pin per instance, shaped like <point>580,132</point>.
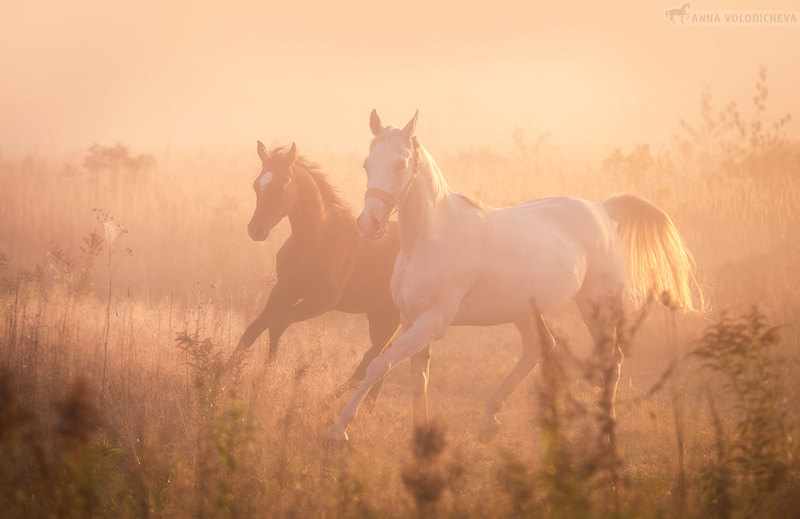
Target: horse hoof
<point>488,431</point>
<point>338,435</point>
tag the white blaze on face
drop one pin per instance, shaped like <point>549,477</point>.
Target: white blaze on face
<point>264,180</point>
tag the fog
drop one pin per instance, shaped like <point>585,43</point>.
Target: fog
<point>128,275</point>
<point>593,75</point>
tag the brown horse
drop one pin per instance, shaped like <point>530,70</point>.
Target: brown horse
<point>325,264</point>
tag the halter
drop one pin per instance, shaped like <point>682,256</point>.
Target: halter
<point>388,198</point>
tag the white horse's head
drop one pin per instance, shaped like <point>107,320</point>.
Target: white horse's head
<point>390,169</point>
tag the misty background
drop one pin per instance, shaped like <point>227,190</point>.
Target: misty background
<point>191,75</point>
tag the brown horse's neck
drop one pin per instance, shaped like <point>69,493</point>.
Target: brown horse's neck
<point>310,213</point>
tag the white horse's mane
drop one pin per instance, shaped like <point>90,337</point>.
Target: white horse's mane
<point>442,181</point>
<point>430,188</point>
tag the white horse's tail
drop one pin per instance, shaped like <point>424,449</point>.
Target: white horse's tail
<point>658,264</point>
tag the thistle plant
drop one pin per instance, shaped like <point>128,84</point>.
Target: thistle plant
<point>92,248</point>
<point>429,476</point>
<point>114,258</point>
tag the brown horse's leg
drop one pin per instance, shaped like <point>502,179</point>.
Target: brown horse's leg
<point>531,354</point>
<point>278,303</point>
<point>276,329</point>
<point>383,326</point>
<point>317,304</point>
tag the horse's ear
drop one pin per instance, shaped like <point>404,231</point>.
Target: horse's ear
<point>375,123</point>
<point>408,131</point>
<point>291,155</point>
<point>262,151</point>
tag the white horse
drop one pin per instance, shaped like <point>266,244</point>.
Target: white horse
<point>464,263</point>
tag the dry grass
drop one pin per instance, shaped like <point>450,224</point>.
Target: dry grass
<point>166,439</point>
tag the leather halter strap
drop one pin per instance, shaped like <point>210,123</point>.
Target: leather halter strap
<point>381,194</point>
<point>389,199</point>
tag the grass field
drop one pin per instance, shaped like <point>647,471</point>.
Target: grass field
<point>127,278</point>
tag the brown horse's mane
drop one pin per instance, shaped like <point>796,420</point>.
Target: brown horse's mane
<point>330,195</point>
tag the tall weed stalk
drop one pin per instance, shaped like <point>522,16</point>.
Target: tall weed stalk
<point>757,468</point>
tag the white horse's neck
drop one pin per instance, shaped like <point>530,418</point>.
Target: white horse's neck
<point>427,198</point>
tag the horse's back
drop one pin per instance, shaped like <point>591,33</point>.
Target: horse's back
<point>541,250</point>
<point>589,225</point>
<point>584,223</point>
<point>563,211</point>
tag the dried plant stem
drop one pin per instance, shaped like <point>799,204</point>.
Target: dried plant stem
<point>677,413</point>
<point>108,327</point>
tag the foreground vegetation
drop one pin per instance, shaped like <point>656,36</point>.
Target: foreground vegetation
<point>115,323</point>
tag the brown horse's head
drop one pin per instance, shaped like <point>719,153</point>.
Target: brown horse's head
<point>275,190</point>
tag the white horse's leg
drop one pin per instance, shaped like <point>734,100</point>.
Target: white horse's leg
<point>602,317</point>
<point>490,425</point>
<point>619,357</point>
<point>420,373</point>
<point>425,329</point>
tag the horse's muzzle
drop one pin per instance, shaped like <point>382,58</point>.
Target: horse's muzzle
<point>371,222</point>
<point>370,226</point>
<point>258,232</point>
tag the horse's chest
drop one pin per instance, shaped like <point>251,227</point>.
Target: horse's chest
<point>419,283</point>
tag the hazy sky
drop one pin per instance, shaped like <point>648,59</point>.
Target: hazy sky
<point>594,74</point>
